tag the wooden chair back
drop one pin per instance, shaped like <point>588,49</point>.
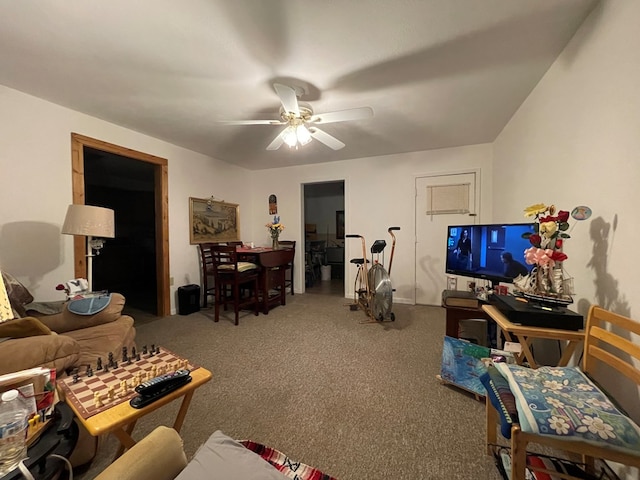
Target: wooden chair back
<point>228,273</point>
<point>609,341</point>
<point>206,270</point>
<point>611,348</point>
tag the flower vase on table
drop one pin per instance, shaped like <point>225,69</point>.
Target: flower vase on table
<point>275,228</point>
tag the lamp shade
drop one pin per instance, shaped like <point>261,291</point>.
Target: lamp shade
<point>89,220</point>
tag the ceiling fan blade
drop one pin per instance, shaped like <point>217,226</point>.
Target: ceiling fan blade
<point>329,140</point>
<point>288,98</point>
<point>277,142</point>
<point>343,115</point>
<point>252,122</point>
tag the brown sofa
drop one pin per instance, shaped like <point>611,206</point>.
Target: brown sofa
<point>65,340</point>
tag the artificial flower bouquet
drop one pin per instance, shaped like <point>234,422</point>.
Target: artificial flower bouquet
<point>275,228</point>
<point>546,281</point>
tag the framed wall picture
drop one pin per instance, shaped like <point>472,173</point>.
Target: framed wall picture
<point>213,221</point>
<point>340,224</point>
<point>273,204</point>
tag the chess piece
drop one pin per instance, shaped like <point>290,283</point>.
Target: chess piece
<point>144,350</point>
<point>97,400</point>
<point>124,388</point>
<point>99,364</point>
<point>125,356</point>
<point>153,350</point>
<point>110,362</point>
<point>89,371</point>
<point>133,352</point>
<point>111,392</point>
<point>76,378</point>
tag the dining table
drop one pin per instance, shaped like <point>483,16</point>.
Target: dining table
<point>272,263</point>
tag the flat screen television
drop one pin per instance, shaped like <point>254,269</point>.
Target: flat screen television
<point>493,252</point>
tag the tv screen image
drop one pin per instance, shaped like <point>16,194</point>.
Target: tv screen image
<point>493,252</point>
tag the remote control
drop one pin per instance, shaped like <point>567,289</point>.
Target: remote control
<point>156,388</point>
<point>161,382</point>
<point>140,401</point>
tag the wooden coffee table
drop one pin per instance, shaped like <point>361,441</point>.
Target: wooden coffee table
<point>121,418</point>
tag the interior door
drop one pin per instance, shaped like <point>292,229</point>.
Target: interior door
<point>431,230</point>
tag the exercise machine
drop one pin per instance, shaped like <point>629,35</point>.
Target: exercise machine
<point>373,292</point>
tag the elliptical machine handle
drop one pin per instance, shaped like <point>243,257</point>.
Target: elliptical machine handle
<point>393,245</point>
<point>353,235</point>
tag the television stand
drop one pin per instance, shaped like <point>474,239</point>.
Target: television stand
<point>459,305</point>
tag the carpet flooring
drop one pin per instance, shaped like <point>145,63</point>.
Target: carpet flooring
<point>358,401</point>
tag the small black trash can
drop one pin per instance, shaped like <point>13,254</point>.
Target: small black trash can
<point>188,299</point>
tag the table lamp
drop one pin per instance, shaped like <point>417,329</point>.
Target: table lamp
<point>95,223</point>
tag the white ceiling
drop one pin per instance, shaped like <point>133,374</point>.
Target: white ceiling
<point>437,73</point>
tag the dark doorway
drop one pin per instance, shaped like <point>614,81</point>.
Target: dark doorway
<point>324,237</point>
<point>127,263</point>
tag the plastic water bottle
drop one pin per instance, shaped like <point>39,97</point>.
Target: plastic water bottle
<point>13,432</point>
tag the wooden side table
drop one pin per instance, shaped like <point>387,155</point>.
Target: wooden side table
<point>455,314</point>
<point>523,333</point>
<point>121,418</point>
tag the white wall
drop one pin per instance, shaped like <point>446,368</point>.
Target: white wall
<point>575,141</point>
<point>35,167</point>
<point>35,163</point>
<point>379,193</point>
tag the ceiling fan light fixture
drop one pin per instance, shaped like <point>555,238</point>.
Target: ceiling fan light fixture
<point>290,137</point>
<point>300,122</point>
<point>303,134</point>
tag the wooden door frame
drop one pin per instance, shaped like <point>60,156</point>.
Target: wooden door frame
<point>78,142</point>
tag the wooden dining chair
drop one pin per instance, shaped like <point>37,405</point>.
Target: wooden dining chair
<point>274,264</point>
<point>207,272</point>
<point>288,282</point>
<point>576,413</point>
<point>232,274</point>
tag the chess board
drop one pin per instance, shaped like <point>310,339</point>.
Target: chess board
<point>81,393</point>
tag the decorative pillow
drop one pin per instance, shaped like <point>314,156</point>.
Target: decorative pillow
<point>6,312</point>
<point>222,458</point>
<point>501,398</point>
<point>18,294</point>
<point>564,403</point>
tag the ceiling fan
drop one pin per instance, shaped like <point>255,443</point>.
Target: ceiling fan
<point>301,122</point>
